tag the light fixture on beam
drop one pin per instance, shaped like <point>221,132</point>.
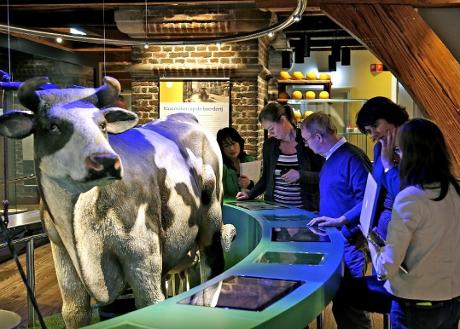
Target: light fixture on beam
<point>335,52</point>
<point>346,56</point>
<point>332,64</point>
<point>299,51</point>
<point>295,16</point>
<point>286,59</point>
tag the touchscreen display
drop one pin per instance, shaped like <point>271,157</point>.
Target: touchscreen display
<point>277,217</point>
<point>299,234</point>
<point>243,293</point>
<point>291,258</point>
<point>256,205</point>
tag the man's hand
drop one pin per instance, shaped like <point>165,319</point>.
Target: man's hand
<point>388,146</point>
<point>327,221</point>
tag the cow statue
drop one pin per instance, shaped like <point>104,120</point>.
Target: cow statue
<point>122,207</point>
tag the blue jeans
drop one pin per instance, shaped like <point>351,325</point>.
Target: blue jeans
<point>407,314</point>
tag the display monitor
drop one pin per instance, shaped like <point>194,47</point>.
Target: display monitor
<point>256,205</point>
<point>243,293</point>
<point>299,234</point>
<point>291,258</point>
<point>278,217</point>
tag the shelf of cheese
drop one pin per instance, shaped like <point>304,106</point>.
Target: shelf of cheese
<point>282,84</point>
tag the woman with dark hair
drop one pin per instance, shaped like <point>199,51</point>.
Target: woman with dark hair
<point>290,169</point>
<point>423,234</point>
<point>232,148</point>
<point>380,118</point>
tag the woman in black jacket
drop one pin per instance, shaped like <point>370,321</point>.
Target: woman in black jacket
<point>290,170</point>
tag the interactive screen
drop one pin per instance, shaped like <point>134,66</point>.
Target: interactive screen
<point>291,258</point>
<point>299,234</point>
<point>256,205</point>
<point>275,218</point>
<point>243,293</point>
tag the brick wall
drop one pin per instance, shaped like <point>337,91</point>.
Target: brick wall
<point>243,63</point>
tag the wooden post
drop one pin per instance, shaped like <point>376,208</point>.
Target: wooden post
<point>404,42</point>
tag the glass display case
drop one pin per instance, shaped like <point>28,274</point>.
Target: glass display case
<point>19,184</point>
<point>343,112</point>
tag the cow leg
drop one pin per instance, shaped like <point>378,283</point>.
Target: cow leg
<point>76,308</point>
<point>145,278</point>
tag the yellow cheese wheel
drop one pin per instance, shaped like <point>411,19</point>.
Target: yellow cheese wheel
<point>324,94</point>
<point>297,75</point>
<point>297,94</point>
<point>307,113</point>
<point>284,75</point>
<point>310,94</point>
<point>324,76</point>
<point>297,115</point>
<point>311,75</point>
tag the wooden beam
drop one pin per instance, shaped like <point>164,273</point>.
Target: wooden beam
<point>402,40</point>
<point>284,6</point>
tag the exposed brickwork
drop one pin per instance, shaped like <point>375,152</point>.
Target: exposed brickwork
<point>244,63</point>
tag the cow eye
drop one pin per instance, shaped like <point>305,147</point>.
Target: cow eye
<point>54,129</point>
<point>103,126</point>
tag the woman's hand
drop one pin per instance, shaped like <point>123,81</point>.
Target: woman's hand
<point>244,181</point>
<point>242,196</point>
<point>292,176</point>
<point>388,146</point>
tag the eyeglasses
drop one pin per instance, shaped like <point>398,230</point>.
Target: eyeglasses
<point>305,140</point>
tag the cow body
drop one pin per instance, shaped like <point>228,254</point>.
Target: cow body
<point>121,209</point>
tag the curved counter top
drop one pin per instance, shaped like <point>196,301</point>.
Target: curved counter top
<point>270,281</point>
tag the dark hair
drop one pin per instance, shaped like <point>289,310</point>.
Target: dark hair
<point>273,112</point>
<point>425,156</point>
<point>319,122</point>
<point>230,135</point>
<point>380,108</point>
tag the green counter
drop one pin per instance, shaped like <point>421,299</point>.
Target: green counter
<point>314,267</point>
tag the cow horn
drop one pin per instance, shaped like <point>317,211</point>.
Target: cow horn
<point>108,93</point>
<point>27,95</point>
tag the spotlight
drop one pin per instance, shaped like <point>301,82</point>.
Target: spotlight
<point>346,56</point>
<point>335,52</point>
<point>146,46</point>
<point>299,51</point>
<point>306,43</point>
<point>270,34</point>
<point>332,64</point>
<point>286,57</point>
<point>59,40</point>
<point>296,18</point>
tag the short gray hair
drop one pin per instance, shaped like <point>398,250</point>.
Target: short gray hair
<point>319,123</point>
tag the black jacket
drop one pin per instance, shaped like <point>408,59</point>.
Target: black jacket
<point>309,164</point>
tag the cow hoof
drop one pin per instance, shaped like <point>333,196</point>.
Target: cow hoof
<point>227,235</point>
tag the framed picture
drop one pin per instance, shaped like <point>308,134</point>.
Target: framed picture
<point>208,100</point>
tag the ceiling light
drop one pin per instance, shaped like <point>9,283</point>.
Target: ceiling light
<point>76,31</point>
<point>146,46</point>
<point>294,17</point>
<point>59,40</point>
<point>271,34</point>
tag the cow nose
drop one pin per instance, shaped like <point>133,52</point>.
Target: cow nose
<point>104,164</point>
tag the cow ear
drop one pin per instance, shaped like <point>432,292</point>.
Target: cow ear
<point>119,120</point>
<point>16,124</point>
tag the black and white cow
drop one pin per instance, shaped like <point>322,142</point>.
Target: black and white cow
<point>121,206</point>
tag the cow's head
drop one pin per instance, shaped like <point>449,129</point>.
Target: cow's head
<point>70,128</point>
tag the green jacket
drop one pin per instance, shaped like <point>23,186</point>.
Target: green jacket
<point>230,179</point>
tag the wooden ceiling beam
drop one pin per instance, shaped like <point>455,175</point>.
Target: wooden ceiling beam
<point>283,6</point>
<point>405,43</point>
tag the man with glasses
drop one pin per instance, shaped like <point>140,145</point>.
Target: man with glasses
<point>342,182</point>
